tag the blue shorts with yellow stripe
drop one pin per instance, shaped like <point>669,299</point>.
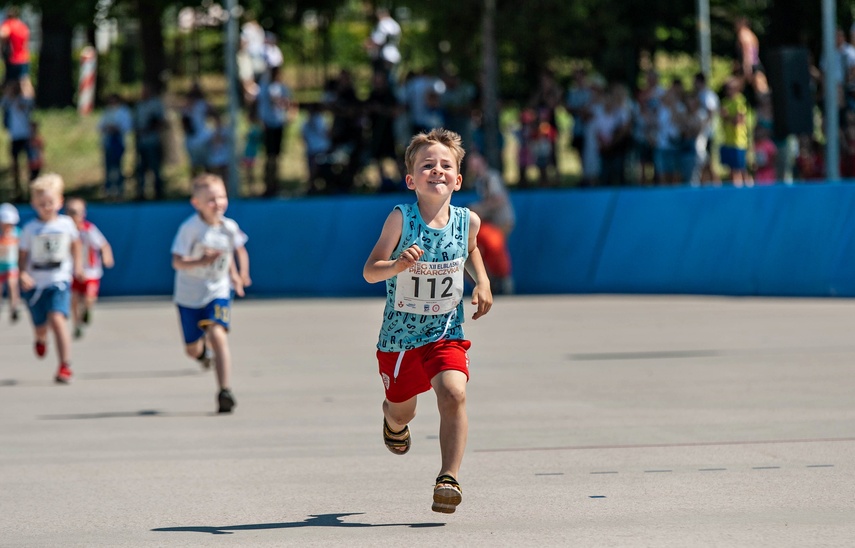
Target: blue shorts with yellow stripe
<point>195,320</point>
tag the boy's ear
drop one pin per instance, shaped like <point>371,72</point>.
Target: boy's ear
<point>410,183</point>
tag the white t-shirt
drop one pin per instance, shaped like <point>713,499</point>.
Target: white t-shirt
<point>198,286</point>
<point>93,240</point>
<point>48,247</point>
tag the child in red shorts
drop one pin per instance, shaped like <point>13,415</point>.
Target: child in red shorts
<point>421,254</point>
<point>97,255</point>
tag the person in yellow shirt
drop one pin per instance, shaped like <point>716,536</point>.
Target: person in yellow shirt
<point>734,149</point>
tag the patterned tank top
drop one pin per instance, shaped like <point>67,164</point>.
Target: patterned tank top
<point>403,330</point>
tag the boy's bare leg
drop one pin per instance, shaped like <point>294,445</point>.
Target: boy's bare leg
<point>399,415</point>
<point>41,333</point>
<point>14,293</point>
<point>195,348</point>
<point>450,389</point>
<point>59,325</point>
<point>75,309</point>
<point>220,343</point>
<point>89,301</point>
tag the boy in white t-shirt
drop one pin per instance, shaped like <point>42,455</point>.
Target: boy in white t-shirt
<point>97,255</point>
<point>49,256</point>
<point>202,256</point>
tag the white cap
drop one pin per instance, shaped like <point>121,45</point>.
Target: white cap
<point>9,214</point>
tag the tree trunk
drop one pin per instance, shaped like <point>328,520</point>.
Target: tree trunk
<point>151,43</point>
<point>55,73</point>
<point>490,84</point>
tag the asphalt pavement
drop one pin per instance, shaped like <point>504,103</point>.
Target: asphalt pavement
<point>594,421</point>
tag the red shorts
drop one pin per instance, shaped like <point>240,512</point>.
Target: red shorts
<point>86,287</point>
<point>418,366</point>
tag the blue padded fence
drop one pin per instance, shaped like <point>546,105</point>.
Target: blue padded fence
<point>770,241</point>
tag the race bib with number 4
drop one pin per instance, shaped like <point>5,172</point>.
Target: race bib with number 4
<point>430,288</point>
<point>49,250</point>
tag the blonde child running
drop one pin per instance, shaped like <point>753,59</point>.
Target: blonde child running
<point>202,256</point>
<point>9,236</point>
<point>97,255</point>
<point>421,254</point>
<point>49,258</point>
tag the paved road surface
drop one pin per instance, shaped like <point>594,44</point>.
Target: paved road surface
<point>594,421</point>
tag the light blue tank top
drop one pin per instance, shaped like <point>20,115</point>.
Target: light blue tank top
<point>402,330</point>
<point>9,251</point>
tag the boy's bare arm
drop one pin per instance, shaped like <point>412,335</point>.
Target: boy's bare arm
<point>181,263</point>
<point>482,297</point>
<point>77,258</point>
<point>237,282</point>
<point>24,277</point>
<point>379,267</point>
<point>243,265</point>
<point>107,255</point>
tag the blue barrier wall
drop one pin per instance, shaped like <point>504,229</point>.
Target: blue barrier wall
<point>772,241</point>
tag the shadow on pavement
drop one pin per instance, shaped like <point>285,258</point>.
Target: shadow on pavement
<point>321,520</point>
<point>125,414</point>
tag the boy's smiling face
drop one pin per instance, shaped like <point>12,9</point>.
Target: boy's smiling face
<point>211,202</point>
<point>435,172</point>
<point>47,204</point>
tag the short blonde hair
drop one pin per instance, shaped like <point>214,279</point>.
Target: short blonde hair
<point>205,181</point>
<point>49,183</point>
<point>441,136</point>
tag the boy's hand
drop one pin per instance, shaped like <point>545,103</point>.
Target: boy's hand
<point>209,257</point>
<point>408,258</point>
<point>26,281</point>
<point>79,274</point>
<point>245,280</point>
<point>482,298</point>
<point>238,285</point>
<point>108,263</point>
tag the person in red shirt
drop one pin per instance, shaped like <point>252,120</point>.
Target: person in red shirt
<point>15,38</point>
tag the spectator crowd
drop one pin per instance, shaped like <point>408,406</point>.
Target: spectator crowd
<point>654,133</point>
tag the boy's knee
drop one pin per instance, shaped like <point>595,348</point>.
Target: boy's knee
<point>451,396</point>
<point>398,414</point>
<point>455,395</point>
<point>193,349</point>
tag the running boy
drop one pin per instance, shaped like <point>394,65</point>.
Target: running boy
<point>9,236</point>
<point>97,254</point>
<point>50,252</point>
<point>202,255</point>
<point>422,252</point>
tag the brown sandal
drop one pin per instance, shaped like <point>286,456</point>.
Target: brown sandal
<point>396,440</point>
<point>447,494</point>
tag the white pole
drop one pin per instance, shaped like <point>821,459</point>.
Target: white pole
<point>233,184</point>
<point>704,43</point>
<point>832,117</point>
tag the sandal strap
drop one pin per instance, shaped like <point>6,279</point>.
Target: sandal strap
<point>449,480</point>
<point>389,433</point>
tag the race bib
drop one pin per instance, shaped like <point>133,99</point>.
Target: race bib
<point>217,269</point>
<point>49,250</point>
<point>430,288</point>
